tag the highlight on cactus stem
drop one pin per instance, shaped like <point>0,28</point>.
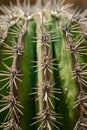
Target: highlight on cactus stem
<point>43,67</point>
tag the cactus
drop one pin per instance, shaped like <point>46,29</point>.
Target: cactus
<point>43,67</point>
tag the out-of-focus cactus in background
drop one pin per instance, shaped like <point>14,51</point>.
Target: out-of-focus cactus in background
<point>81,3</point>
<point>43,66</point>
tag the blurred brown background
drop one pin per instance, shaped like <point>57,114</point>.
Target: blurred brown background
<point>82,3</point>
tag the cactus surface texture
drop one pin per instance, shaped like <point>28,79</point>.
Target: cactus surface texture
<point>43,67</point>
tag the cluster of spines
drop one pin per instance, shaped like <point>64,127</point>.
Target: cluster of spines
<point>12,76</point>
<point>47,116</point>
<point>76,47</point>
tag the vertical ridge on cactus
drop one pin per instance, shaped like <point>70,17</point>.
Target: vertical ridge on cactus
<point>43,67</point>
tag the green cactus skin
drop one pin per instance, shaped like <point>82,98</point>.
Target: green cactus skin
<point>43,67</point>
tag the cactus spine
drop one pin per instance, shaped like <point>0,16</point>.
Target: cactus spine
<point>43,67</point>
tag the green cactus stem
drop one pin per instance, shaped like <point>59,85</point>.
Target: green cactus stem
<point>43,67</point>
